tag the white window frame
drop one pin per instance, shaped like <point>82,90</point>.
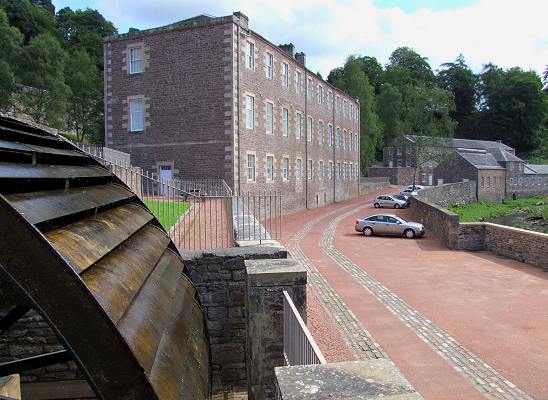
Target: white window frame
<point>309,88</point>
<point>330,170</point>
<point>269,115</point>
<point>351,176</point>
<point>298,125</point>
<point>298,168</point>
<point>251,168</point>
<point>269,166</point>
<point>249,112</point>
<point>320,132</point>
<point>298,82</point>
<point>338,137</point>
<point>285,169</point>
<point>285,74</point>
<point>320,170</point>
<point>339,170</point>
<point>330,134</point>
<point>136,115</point>
<point>320,94</point>
<point>351,141</point>
<point>133,62</point>
<point>285,121</point>
<point>309,171</point>
<point>330,100</point>
<point>250,55</point>
<point>309,123</point>
<point>269,64</point>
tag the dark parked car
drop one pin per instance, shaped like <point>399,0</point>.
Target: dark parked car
<point>403,197</point>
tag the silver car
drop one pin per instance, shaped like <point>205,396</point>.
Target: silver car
<point>389,201</point>
<point>385,224</point>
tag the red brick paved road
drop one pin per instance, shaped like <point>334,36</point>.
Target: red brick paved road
<point>457,324</point>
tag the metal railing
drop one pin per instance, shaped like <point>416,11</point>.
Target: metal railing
<point>300,348</point>
<point>205,216</point>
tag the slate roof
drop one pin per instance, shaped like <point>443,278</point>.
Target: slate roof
<point>481,160</point>
<point>535,169</point>
<point>502,155</point>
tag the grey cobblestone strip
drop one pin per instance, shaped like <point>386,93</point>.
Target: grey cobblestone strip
<point>484,377</point>
<point>357,338</point>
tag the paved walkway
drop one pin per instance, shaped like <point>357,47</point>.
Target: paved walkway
<point>459,325</point>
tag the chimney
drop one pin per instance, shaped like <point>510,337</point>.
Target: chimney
<point>301,58</point>
<point>288,48</point>
<point>242,19</point>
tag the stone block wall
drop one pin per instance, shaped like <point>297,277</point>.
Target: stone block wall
<point>220,278</point>
<point>450,193</point>
<point>368,187</point>
<point>266,282</point>
<point>397,175</point>
<point>471,236</point>
<point>444,224</point>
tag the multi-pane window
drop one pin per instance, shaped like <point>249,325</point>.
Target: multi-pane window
<point>338,104</point>
<point>269,62</point>
<point>269,118</point>
<point>269,168</point>
<point>330,135</point>
<point>285,74</point>
<point>320,94</point>
<point>351,115</point>
<point>137,115</point>
<point>298,81</point>
<point>251,167</point>
<point>330,170</point>
<point>351,171</point>
<point>298,168</point>
<point>338,138</point>
<point>345,139</point>
<point>249,55</point>
<point>320,132</point>
<point>320,169</point>
<point>338,169</point>
<point>298,126</point>
<point>309,88</point>
<point>136,60</point>
<point>330,100</point>
<point>345,108</point>
<point>285,121</point>
<point>309,169</point>
<point>351,145</point>
<point>285,169</point>
<point>309,129</point>
<point>249,112</point>
<point>356,144</point>
<point>345,171</point>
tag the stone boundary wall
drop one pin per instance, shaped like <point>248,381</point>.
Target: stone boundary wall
<point>450,193</point>
<point>219,276</point>
<point>519,244</point>
<point>397,175</point>
<point>439,221</point>
<point>366,188</point>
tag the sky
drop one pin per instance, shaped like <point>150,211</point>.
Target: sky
<point>508,33</point>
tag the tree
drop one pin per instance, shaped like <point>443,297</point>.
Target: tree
<point>30,19</point>
<point>513,107</point>
<point>389,109</point>
<point>84,30</point>
<point>10,43</point>
<point>337,78</point>
<point>374,72</point>
<point>41,67</point>
<point>406,66</point>
<point>85,99</point>
<point>459,79</point>
<point>429,150</point>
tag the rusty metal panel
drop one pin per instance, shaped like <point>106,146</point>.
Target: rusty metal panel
<point>29,148</point>
<point>116,279</point>
<point>143,323</point>
<point>84,242</point>
<point>46,171</point>
<point>181,370</point>
<point>43,206</point>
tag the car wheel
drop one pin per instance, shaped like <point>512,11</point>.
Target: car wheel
<point>377,205</point>
<point>367,231</point>
<point>396,205</point>
<point>409,233</point>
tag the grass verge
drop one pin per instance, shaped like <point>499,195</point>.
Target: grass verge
<point>486,209</point>
<point>167,212</point>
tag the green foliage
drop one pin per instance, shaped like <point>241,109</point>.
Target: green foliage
<point>84,80</point>
<point>389,109</point>
<point>352,79</point>
<point>407,67</point>
<point>41,71</point>
<point>11,41</point>
<point>486,209</point>
<point>30,19</point>
<point>7,84</point>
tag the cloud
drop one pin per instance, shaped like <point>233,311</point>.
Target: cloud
<point>507,33</point>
